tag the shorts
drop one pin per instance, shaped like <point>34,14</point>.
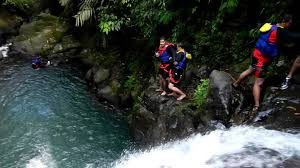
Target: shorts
<point>260,63</point>
<point>175,76</point>
<point>164,70</point>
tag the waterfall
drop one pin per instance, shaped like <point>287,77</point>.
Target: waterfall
<point>241,146</point>
<point>4,50</point>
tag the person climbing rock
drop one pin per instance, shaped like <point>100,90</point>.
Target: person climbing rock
<point>176,73</point>
<point>266,49</point>
<point>165,53</point>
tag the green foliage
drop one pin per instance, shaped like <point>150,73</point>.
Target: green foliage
<point>20,4</point>
<point>220,49</point>
<point>227,8</point>
<point>85,12</point>
<point>109,23</point>
<point>131,83</point>
<point>201,93</point>
<point>149,15</point>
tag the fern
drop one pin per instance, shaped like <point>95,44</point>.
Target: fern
<point>86,12</point>
<point>83,15</point>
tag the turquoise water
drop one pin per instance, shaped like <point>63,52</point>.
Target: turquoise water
<point>48,118</point>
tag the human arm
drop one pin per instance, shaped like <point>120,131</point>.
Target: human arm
<point>179,57</point>
<point>172,52</point>
<point>287,37</point>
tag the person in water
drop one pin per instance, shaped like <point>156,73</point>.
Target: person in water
<point>165,53</point>
<point>37,62</point>
<point>266,49</point>
<point>176,73</point>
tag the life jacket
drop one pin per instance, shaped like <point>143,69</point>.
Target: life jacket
<point>164,56</point>
<point>267,42</point>
<point>36,61</point>
<point>182,63</point>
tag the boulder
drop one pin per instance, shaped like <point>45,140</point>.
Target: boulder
<point>280,109</point>
<point>220,96</point>
<point>67,43</point>
<point>40,35</point>
<point>109,94</point>
<point>159,118</point>
<point>101,75</point>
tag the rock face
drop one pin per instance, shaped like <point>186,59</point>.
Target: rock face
<point>158,118</point>
<point>40,35</point>
<point>220,96</point>
<point>281,109</point>
<point>8,24</point>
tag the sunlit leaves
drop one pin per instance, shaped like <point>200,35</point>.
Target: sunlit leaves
<point>64,2</point>
<point>83,15</point>
<point>110,22</point>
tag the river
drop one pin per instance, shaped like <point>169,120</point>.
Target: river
<point>49,119</point>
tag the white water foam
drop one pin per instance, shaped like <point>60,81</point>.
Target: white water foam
<point>5,49</point>
<point>43,160</point>
<point>237,147</point>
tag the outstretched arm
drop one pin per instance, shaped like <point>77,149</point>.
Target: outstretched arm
<point>286,36</point>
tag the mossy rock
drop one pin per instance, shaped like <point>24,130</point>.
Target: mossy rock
<point>41,35</point>
<point>8,21</point>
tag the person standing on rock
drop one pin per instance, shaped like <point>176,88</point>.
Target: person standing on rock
<point>165,53</point>
<point>266,49</point>
<point>176,73</point>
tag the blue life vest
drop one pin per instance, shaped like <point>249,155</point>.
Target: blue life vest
<point>182,63</point>
<point>165,57</point>
<point>264,45</point>
<point>36,61</point>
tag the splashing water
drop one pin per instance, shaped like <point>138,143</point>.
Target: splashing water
<point>237,147</point>
<point>43,160</point>
<point>5,49</point>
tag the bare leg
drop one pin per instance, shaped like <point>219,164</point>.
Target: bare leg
<point>295,66</point>
<point>243,75</point>
<point>257,90</point>
<point>160,84</point>
<point>178,91</point>
<point>164,86</point>
<point>173,94</point>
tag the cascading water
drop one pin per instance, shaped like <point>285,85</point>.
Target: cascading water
<point>234,148</point>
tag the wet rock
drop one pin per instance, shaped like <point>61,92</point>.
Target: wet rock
<point>109,94</point>
<point>68,43</point>
<point>40,35</point>
<point>219,96</point>
<point>101,75</point>
<point>202,72</point>
<point>161,118</point>
<point>281,109</point>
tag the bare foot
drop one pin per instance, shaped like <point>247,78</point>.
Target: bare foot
<point>159,90</point>
<point>235,85</point>
<point>163,93</point>
<point>181,97</point>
